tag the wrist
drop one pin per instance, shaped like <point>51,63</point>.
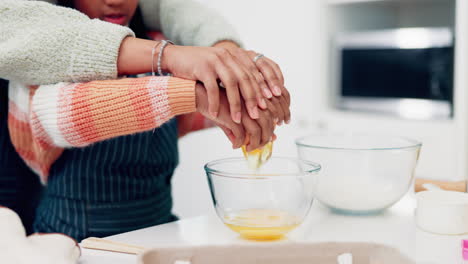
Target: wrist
<point>135,56</point>
<point>167,60</point>
<point>228,44</point>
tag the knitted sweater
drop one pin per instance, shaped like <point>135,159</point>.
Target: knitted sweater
<point>45,44</point>
<point>45,119</point>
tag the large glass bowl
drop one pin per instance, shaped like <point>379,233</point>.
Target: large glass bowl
<point>361,174</point>
<point>262,204</point>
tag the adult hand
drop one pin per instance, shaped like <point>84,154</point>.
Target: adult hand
<point>134,54</point>
<point>211,65</point>
<point>269,78</point>
<point>259,131</point>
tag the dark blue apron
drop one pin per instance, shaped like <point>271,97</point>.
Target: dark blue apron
<point>19,186</point>
<point>111,187</point>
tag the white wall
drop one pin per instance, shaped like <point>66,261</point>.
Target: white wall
<point>290,32</point>
<point>294,34</point>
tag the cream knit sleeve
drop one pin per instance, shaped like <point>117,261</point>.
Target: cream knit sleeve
<point>43,44</point>
<point>187,22</point>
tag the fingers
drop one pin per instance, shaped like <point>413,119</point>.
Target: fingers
<point>267,126</point>
<point>270,76</point>
<point>276,69</point>
<point>271,72</point>
<point>277,110</point>
<point>287,96</point>
<point>235,132</point>
<point>238,80</point>
<point>248,86</point>
<point>253,130</point>
<point>261,88</point>
<point>228,79</point>
<point>259,131</point>
<point>263,85</point>
<point>286,105</point>
<point>212,90</point>
<point>239,134</point>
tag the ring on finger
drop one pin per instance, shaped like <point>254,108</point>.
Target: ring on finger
<point>259,56</point>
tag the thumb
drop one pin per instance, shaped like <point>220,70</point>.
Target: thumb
<point>228,132</point>
<point>236,134</point>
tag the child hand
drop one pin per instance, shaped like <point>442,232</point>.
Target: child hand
<point>260,130</point>
<point>279,107</point>
<point>235,132</point>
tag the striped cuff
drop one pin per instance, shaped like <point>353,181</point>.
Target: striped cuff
<point>181,95</point>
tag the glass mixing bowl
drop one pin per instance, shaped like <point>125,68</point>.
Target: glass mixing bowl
<point>361,174</point>
<point>262,204</point>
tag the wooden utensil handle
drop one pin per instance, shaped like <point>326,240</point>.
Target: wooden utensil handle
<point>107,245</point>
<point>458,186</point>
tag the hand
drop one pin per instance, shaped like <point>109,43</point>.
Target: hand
<point>235,132</point>
<point>259,131</point>
<point>268,76</point>
<point>267,73</point>
<point>210,65</point>
<point>279,106</point>
<point>133,59</point>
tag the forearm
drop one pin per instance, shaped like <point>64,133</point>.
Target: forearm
<point>135,55</point>
<point>76,115</point>
<point>42,44</point>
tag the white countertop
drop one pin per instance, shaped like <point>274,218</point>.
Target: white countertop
<point>395,228</point>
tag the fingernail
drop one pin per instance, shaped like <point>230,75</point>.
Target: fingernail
<point>275,120</point>
<point>214,114</point>
<point>254,112</point>
<point>277,90</point>
<point>267,93</point>
<point>288,121</point>
<point>280,123</point>
<point>237,117</point>
<point>262,103</point>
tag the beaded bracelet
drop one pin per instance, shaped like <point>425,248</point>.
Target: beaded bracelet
<point>153,50</point>
<point>161,50</point>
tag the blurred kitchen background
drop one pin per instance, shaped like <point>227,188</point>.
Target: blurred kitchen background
<point>388,66</point>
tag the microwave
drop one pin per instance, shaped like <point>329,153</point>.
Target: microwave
<point>404,72</point>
